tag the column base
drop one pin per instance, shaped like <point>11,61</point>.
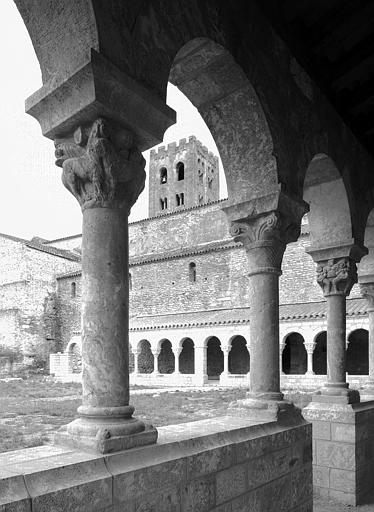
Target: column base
<point>337,393</point>
<point>113,430</point>
<point>267,407</point>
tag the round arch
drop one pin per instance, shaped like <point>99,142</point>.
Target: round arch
<point>214,357</point>
<point>217,86</point>
<point>294,355</point>
<point>166,358</point>
<point>187,356</point>
<point>145,357</point>
<point>320,354</point>
<point>358,352</point>
<point>329,221</point>
<point>239,358</point>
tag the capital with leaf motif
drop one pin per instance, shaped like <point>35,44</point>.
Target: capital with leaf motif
<point>264,238</point>
<point>337,276</point>
<point>102,168</point>
<point>367,291</point>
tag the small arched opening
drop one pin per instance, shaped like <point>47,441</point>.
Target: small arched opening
<point>192,272</point>
<point>239,356</point>
<point>214,358</point>
<point>187,357</point>
<point>180,171</point>
<point>294,356</point>
<point>145,357</point>
<point>166,360</point>
<point>73,290</point>
<point>163,175</point>
<point>320,354</point>
<point>358,352</point>
<point>75,358</point>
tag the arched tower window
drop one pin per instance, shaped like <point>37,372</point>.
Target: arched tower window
<point>179,198</point>
<point>192,272</point>
<point>73,289</point>
<point>163,175</point>
<point>180,171</point>
<point>164,203</point>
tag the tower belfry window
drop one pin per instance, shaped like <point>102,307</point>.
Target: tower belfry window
<point>180,171</point>
<point>164,203</point>
<point>163,175</point>
<point>179,199</point>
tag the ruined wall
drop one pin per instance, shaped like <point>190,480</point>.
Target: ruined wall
<point>26,316</point>
<point>68,309</point>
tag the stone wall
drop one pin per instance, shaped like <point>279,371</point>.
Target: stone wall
<point>28,281</point>
<point>215,465</point>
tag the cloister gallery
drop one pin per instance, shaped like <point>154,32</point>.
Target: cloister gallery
<point>292,138</point>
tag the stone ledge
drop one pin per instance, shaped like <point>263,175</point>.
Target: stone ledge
<point>198,455</point>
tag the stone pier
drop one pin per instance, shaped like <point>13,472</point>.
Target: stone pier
<point>343,434</point>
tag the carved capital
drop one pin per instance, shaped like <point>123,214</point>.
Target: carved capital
<point>337,276</point>
<point>264,237</point>
<point>309,347</point>
<point>101,166</point>
<point>367,291</point>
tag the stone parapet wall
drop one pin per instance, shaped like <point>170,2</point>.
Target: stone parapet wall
<point>220,464</point>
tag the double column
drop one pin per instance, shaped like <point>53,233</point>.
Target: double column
<point>101,120</point>
<point>336,276</point>
<point>264,236</point>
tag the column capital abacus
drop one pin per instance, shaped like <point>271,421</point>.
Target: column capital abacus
<point>336,276</point>
<point>102,167</point>
<point>310,346</point>
<point>264,226</point>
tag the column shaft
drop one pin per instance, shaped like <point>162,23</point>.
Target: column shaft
<point>371,346</point>
<point>105,312</point>
<point>176,360</point>
<point>336,353</point>
<point>155,361</point>
<point>226,352</point>
<point>310,361</point>
<point>264,331</point>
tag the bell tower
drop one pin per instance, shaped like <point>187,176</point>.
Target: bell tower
<point>182,176</point>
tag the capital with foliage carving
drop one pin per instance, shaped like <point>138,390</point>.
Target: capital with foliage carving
<point>102,168</point>
<point>367,291</point>
<point>265,238</point>
<point>337,276</point>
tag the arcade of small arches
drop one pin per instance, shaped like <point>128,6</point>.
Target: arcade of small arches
<point>189,358</point>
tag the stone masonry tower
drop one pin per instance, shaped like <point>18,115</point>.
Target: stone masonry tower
<point>182,176</point>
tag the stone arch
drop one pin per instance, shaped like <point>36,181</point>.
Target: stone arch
<point>214,357</point>
<point>217,86</point>
<point>239,358</point>
<point>145,357</point>
<point>187,356</point>
<point>366,266</point>
<point>74,351</point>
<point>329,220</point>
<point>166,358</point>
<point>320,354</point>
<point>294,355</point>
<point>358,352</point>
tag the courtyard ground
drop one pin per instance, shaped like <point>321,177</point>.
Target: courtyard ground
<point>31,410</point>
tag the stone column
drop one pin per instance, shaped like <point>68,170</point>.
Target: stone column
<point>136,362</point>
<point>226,351</point>
<point>177,352</point>
<point>200,363</point>
<point>264,237</point>
<point>336,276</point>
<point>367,291</point>
<point>105,172</point>
<point>155,353</point>
<point>309,347</point>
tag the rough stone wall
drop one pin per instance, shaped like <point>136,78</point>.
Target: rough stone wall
<point>68,309</point>
<point>29,278</point>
